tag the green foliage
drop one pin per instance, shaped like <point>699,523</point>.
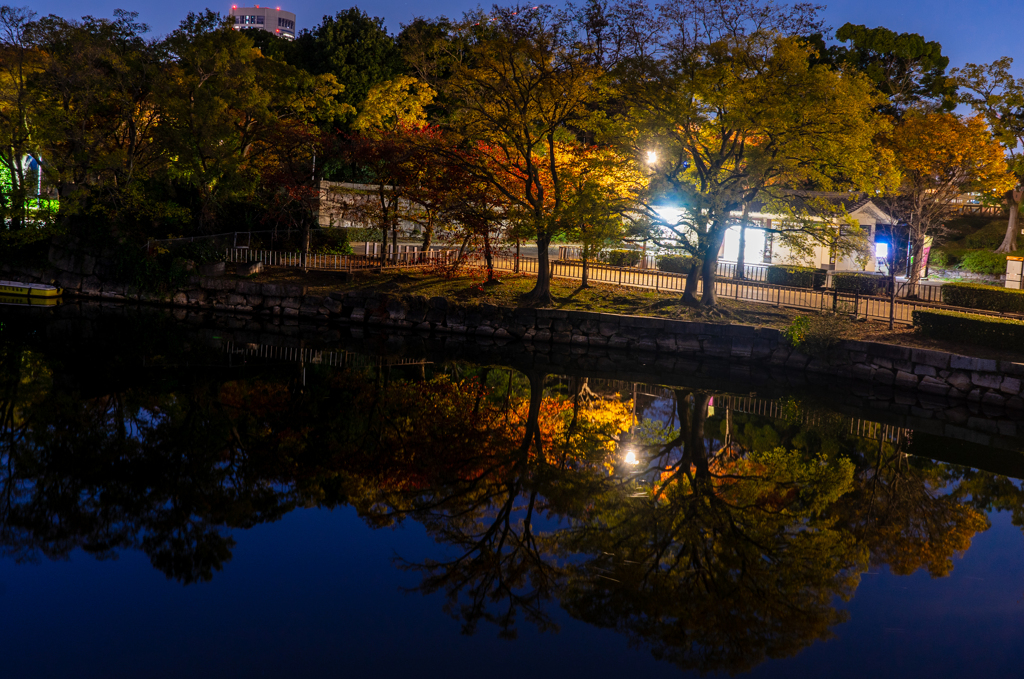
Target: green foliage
<point>795,276</point>
<point>797,331</point>
<point>364,235</point>
<point>984,261</point>
<point>331,242</point>
<point>816,335</point>
<point>352,46</point>
<point>906,68</point>
<point>622,257</point>
<point>200,252</point>
<point>988,331</point>
<point>860,283</point>
<point>979,296</point>
<point>158,271</point>
<point>675,263</point>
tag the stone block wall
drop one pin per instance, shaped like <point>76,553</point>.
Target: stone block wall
<point>988,381</point>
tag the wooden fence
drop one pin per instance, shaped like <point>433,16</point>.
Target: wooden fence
<point>868,306</point>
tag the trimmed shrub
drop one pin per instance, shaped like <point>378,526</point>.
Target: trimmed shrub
<point>989,331</point>
<point>675,263</point>
<point>622,257</point>
<point>331,242</point>
<point>795,276</point>
<point>979,296</point>
<point>983,261</point>
<point>860,283</point>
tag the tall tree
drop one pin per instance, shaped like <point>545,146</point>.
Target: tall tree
<point>941,157</point>
<point>909,70</point>
<point>744,118</point>
<point>98,116</point>
<point>352,46</point>
<point>526,91</point>
<point>223,103</point>
<point>20,59</point>
<point>992,91</point>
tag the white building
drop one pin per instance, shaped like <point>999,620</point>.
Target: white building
<point>761,248</point>
<point>270,19</point>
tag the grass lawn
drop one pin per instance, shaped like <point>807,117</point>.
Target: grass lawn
<point>603,298</point>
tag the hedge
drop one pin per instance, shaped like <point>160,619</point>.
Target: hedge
<point>795,276</point>
<point>989,331</point>
<point>675,263</point>
<point>860,283</point>
<point>979,296</point>
<point>622,257</point>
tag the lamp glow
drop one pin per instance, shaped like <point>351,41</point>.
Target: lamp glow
<point>630,457</point>
<point>652,157</point>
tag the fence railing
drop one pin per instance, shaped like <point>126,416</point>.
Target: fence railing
<point>339,262</point>
<point>868,306</point>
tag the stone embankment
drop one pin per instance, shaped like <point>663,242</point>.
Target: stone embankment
<point>937,373</point>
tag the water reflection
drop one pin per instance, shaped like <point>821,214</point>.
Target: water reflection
<point>710,531</point>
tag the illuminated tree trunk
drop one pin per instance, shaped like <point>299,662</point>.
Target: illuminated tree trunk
<point>692,278</point>
<point>541,293</point>
<point>1013,199</point>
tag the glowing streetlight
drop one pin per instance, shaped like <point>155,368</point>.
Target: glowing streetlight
<point>652,157</point>
<point>630,458</point>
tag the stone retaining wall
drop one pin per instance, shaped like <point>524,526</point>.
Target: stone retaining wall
<point>933,372</point>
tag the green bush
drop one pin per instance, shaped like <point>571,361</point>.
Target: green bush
<point>860,283</point>
<point>200,252</point>
<point>983,261</point>
<point>980,296</point>
<point>331,242</point>
<point>989,331</point>
<point>795,276</point>
<point>817,335</point>
<point>363,235</point>
<point>622,257</point>
<point>675,263</point>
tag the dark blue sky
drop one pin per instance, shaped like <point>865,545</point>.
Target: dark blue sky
<point>978,31</point>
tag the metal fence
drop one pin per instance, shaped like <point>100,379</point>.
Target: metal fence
<point>325,262</point>
<point>868,306</point>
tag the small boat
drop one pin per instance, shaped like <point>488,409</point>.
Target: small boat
<point>14,289</point>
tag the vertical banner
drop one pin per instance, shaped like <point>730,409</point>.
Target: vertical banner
<point>922,267</point>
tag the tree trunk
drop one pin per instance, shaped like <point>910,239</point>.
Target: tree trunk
<point>708,298</point>
<point>741,263</point>
<point>1013,199</point>
<point>914,265</point>
<point>488,259</point>
<point>428,235</point>
<point>394,240</point>
<point>690,290</point>
<point>585,283</point>
<point>541,293</point>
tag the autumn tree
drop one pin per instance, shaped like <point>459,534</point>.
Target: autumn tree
<point>390,131</point>
<point>97,119</point>
<point>353,47</point>
<point>20,60</point>
<point>735,112</point>
<point>223,103</point>
<point>941,156</point>
<point>994,93</point>
<point>523,94</point>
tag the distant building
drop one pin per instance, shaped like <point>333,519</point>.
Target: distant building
<point>276,21</point>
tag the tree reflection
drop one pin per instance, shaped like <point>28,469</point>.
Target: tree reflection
<point>719,559</point>
<point>713,537</point>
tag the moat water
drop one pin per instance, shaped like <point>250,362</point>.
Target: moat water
<point>205,496</point>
